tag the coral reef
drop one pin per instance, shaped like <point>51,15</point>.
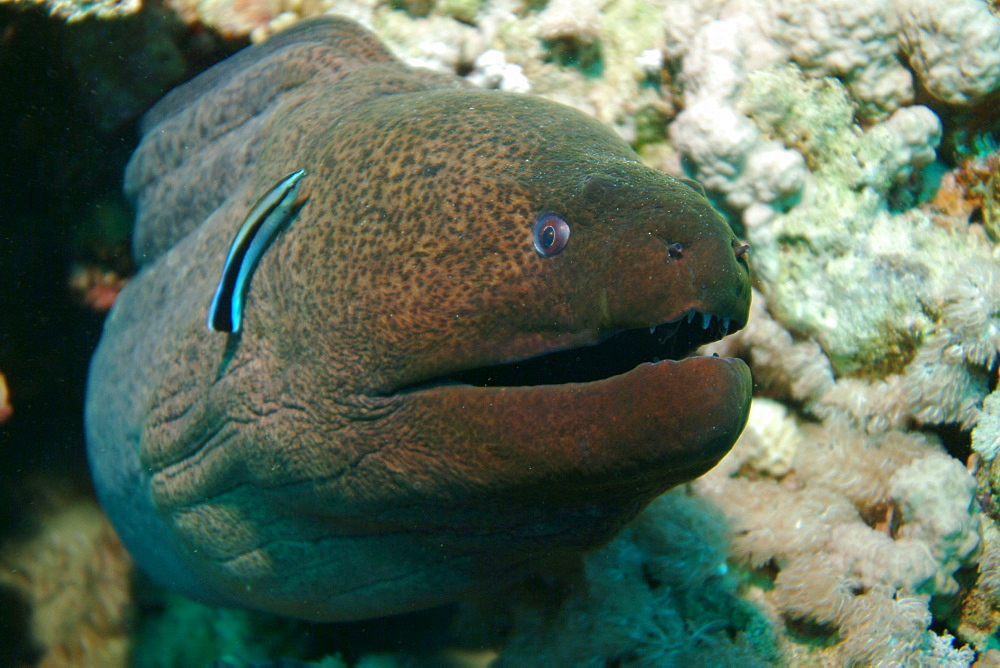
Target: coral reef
<point>903,304</point>
<point>78,10</point>
<point>6,409</point>
<point>95,287</point>
<point>954,52</point>
<point>74,575</point>
<point>491,70</point>
<point>590,55</point>
<point>864,508</point>
<point>659,594</point>
<point>853,143</point>
<point>858,535</point>
<point>718,46</point>
<point>188,633</point>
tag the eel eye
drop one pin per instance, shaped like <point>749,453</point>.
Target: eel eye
<point>551,234</point>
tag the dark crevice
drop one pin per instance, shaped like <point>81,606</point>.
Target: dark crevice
<point>619,353</point>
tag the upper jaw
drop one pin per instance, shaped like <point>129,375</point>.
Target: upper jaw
<point>601,356</point>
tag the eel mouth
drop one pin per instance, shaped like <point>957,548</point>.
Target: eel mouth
<point>618,353</point>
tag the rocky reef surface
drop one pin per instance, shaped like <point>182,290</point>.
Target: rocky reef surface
<point>853,144</point>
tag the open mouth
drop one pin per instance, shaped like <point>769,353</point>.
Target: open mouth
<point>619,353</point>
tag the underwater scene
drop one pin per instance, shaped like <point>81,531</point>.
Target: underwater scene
<point>464,333</point>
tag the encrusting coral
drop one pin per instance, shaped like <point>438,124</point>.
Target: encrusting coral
<point>718,46</point>
<point>905,310</point>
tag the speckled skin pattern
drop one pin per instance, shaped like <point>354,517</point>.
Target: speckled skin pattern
<point>306,466</point>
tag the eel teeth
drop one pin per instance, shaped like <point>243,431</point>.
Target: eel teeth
<point>705,321</point>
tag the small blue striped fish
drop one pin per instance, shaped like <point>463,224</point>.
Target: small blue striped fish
<point>261,226</point>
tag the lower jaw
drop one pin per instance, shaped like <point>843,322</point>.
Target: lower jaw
<point>656,426</point>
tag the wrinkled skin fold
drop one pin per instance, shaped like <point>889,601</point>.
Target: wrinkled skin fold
<point>329,462</point>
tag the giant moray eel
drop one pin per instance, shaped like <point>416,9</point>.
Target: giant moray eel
<point>447,366</point>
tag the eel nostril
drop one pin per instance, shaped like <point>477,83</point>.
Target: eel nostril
<point>675,251</point>
<point>740,249</point>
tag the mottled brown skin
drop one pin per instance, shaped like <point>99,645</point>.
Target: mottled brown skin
<point>310,466</point>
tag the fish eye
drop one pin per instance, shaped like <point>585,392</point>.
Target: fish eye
<point>551,234</point>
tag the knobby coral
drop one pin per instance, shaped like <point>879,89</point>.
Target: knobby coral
<point>74,575</point>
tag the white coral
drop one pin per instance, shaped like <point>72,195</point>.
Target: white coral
<point>730,157</point>
<point>915,133</point>
<point>579,19</point>
<point>954,50</point>
<point>935,496</point>
<point>851,39</point>
<point>954,47</point>
<point>870,578</point>
<point>491,70</point>
<point>770,440</point>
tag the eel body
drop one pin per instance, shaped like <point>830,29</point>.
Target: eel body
<point>461,355</point>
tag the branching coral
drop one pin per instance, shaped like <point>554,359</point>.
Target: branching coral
<point>659,594</point>
<point>860,532</point>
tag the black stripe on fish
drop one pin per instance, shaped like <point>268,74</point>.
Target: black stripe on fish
<point>262,224</point>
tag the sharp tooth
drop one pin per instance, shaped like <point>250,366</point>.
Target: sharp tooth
<point>652,328</point>
<point>690,316</point>
<point>706,320</point>
<point>725,325</point>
